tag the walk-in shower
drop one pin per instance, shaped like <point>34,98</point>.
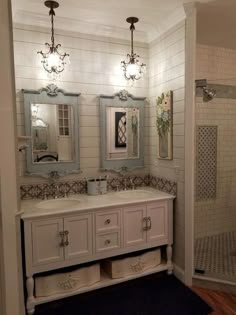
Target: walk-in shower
<point>215,181</point>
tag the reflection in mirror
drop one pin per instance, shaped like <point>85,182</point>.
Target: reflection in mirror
<point>52,133</point>
<point>122,132</point>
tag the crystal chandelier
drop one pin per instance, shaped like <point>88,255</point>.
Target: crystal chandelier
<point>53,60</point>
<point>133,69</point>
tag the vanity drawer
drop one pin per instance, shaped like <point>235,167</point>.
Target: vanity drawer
<point>107,241</point>
<point>107,221</point>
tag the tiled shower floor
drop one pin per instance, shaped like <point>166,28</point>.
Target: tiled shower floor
<point>215,256</point>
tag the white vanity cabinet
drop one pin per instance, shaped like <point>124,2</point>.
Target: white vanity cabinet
<point>58,239</point>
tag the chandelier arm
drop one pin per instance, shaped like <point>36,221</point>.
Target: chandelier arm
<point>61,55</point>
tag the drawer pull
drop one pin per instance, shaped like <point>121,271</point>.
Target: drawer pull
<point>145,228</point>
<point>149,223</point>
<point>66,233</point>
<point>108,221</point>
<point>107,242</point>
<point>61,234</point>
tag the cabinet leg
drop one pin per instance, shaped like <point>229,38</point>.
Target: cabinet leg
<point>169,259</point>
<point>30,295</point>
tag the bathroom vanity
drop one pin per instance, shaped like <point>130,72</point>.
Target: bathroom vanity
<point>72,231</point>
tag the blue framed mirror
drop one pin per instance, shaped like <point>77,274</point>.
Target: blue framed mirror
<point>52,122</point>
<point>122,137</point>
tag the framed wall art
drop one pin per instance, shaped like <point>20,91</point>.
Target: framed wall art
<point>164,124</point>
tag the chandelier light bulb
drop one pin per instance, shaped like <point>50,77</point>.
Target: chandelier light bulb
<point>53,60</point>
<point>132,69</point>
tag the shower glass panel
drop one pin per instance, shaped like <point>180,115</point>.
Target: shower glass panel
<point>215,183</point>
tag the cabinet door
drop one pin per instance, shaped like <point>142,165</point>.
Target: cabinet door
<point>134,233</point>
<point>79,236</point>
<point>157,214</point>
<point>46,241</point>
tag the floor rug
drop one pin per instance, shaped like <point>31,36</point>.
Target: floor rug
<point>157,294</point>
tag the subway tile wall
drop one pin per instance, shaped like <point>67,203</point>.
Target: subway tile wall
<point>213,216</point>
<point>167,72</point>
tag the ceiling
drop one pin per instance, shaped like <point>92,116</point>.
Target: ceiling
<point>216,23</point>
<point>105,17</point>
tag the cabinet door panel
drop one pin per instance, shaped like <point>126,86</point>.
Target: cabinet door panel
<point>46,241</point>
<point>158,214</point>
<point>79,236</point>
<point>134,233</point>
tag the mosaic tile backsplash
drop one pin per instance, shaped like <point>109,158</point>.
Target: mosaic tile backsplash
<point>39,191</point>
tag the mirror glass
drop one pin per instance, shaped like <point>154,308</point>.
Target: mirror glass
<point>52,122</point>
<point>122,132</point>
<point>52,133</point>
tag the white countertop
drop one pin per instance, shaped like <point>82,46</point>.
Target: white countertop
<point>31,208</point>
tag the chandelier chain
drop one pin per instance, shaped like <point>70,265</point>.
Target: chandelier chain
<point>52,13</point>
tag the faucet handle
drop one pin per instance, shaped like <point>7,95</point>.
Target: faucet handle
<point>45,195</point>
<point>125,183</point>
<point>65,194</point>
<point>132,183</point>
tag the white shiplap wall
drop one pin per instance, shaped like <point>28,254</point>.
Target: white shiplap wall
<point>94,69</point>
<point>167,72</point>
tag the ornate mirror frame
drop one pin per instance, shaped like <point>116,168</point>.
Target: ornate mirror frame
<point>51,95</point>
<point>126,100</point>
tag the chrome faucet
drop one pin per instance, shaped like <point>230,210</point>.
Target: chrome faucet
<point>132,183</point>
<point>53,178</point>
<point>125,184</point>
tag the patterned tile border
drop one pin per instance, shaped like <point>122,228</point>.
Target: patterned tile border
<point>163,184</point>
<point>38,191</point>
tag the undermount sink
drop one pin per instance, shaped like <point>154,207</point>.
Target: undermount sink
<point>136,193</point>
<point>57,204</point>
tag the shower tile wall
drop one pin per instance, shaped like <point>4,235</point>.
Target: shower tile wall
<point>218,215</point>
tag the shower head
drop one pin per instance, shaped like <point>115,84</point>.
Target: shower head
<point>208,94</point>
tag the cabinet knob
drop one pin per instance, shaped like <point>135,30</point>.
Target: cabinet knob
<point>107,242</point>
<point>108,221</point>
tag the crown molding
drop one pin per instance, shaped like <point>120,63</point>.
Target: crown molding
<point>78,26</point>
